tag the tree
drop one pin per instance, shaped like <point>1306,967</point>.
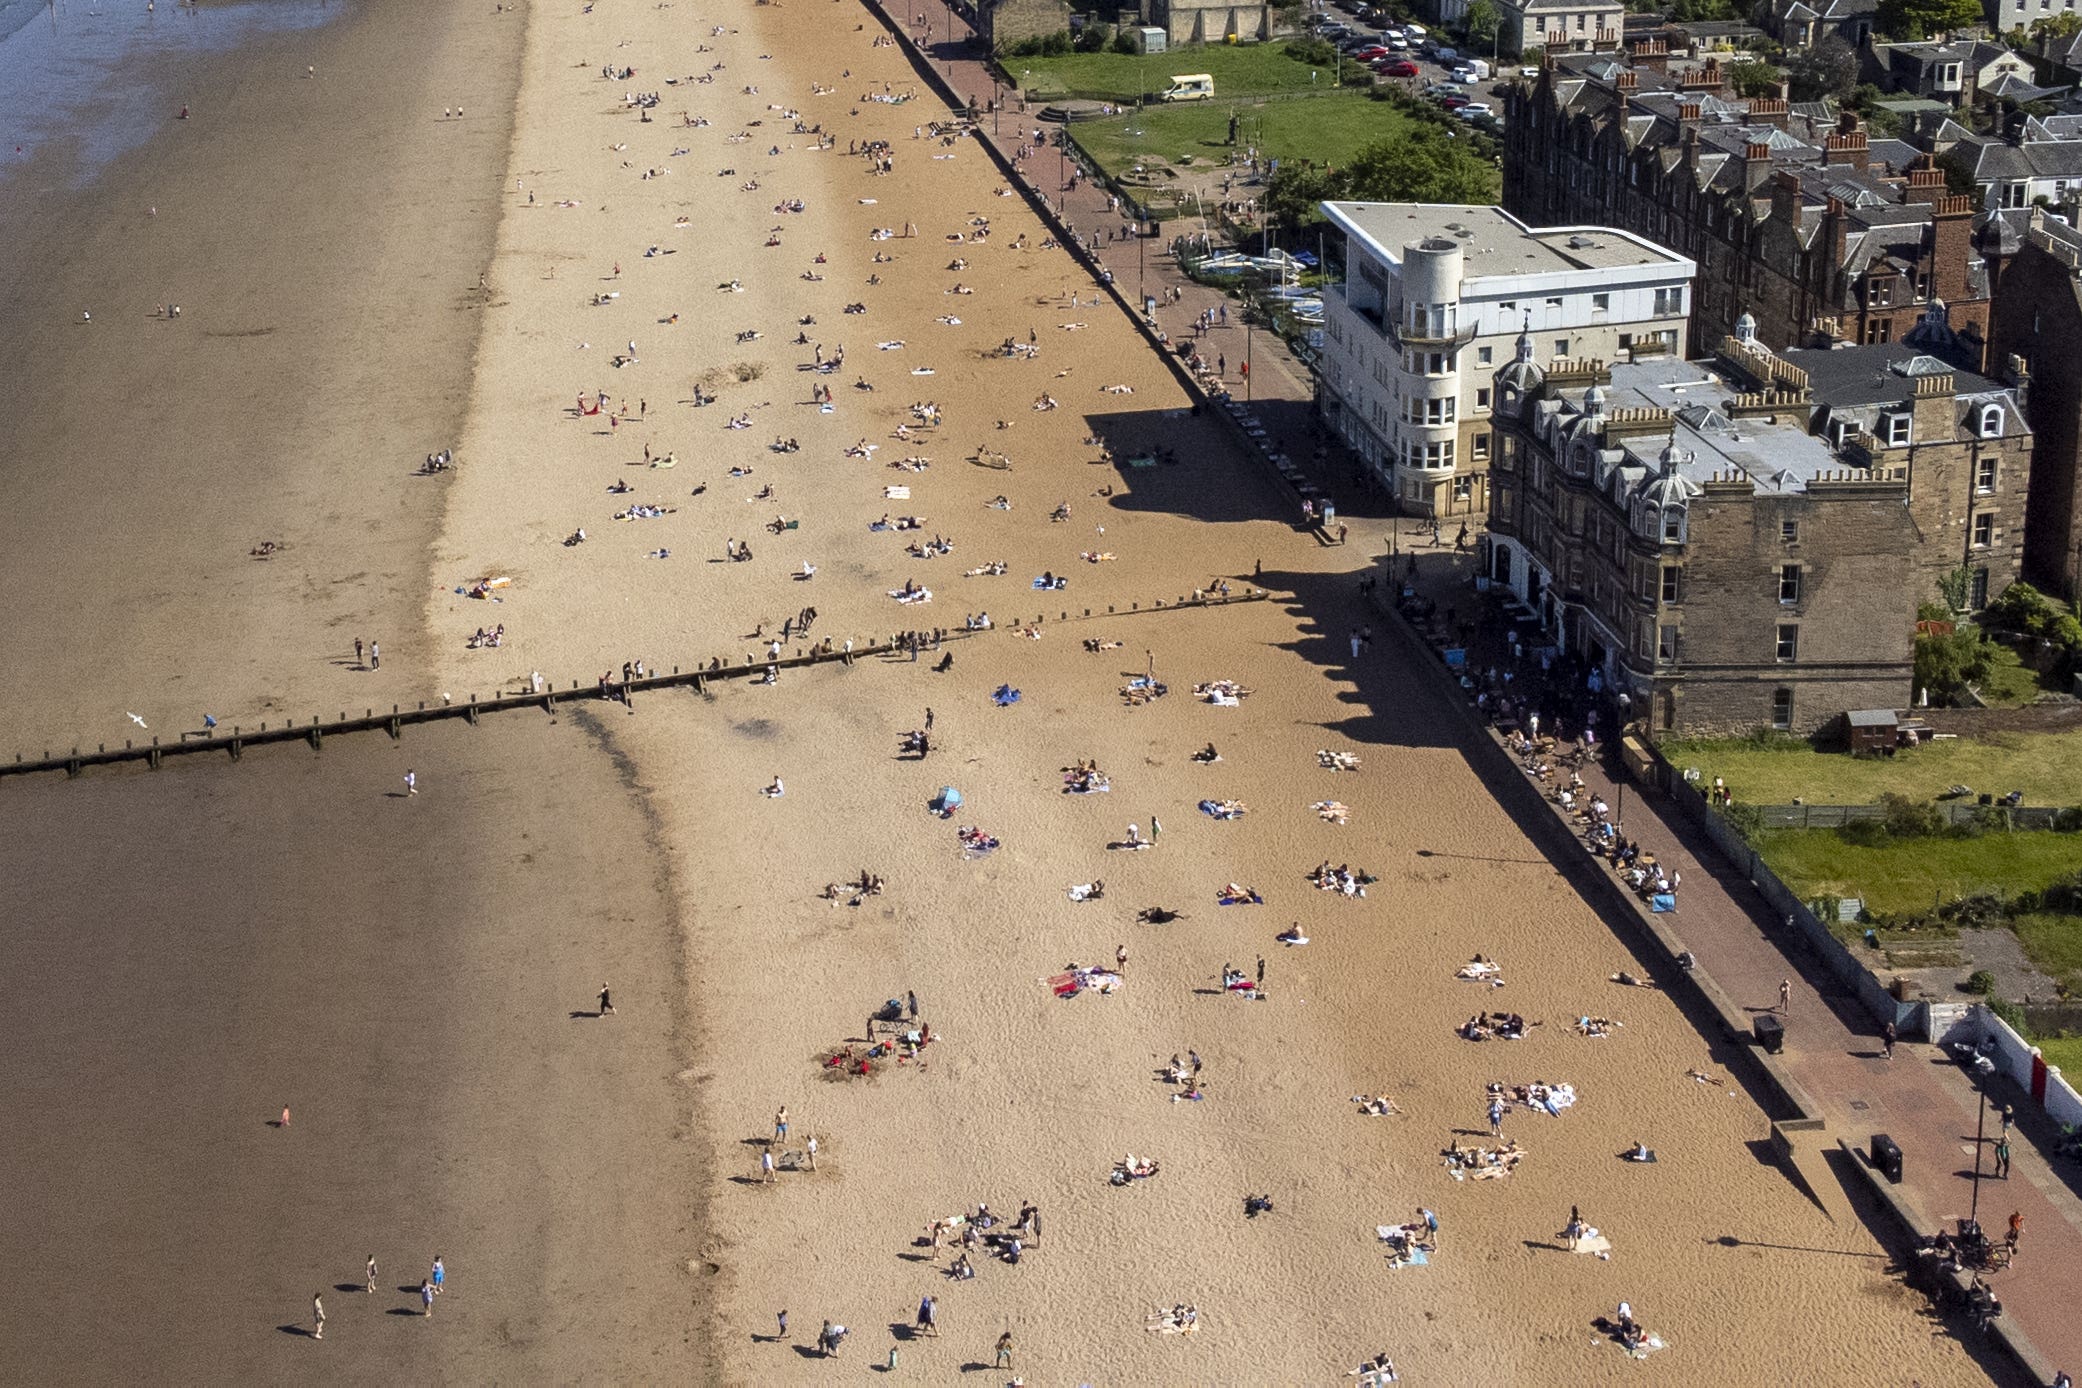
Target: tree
<point>1947,663</point>
<point>1482,22</point>
<point>2064,25</point>
<point>1424,165</point>
<point>1830,68</point>
<point>1919,19</point>
<point>1754,79</point>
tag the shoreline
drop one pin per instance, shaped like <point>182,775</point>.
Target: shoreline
<point>323,349</point>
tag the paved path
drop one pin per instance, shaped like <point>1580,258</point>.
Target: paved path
<point>1921,1099</point>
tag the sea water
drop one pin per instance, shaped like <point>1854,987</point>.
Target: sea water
<point>83,81</point>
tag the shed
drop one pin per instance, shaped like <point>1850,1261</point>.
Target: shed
<point>1871,730</point>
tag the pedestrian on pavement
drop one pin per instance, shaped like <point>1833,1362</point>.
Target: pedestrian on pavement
<point>317,1317</point>
<point>2009,1116</point>
<point>1785,997</point>
<point>2002,1156</point>
<point>1004,1360</point>
<point>372,1273</point>
<point>1887,1040</point>
<point>2016,1231</point>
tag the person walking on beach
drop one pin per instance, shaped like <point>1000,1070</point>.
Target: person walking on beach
<point>781,1316</point>
<point>440,1275</point>
<point>357,651</point>
<point>372,1274</point>
<point>1261,970</point>
<point>928,1315</point>
<point>375,655</point>
<point>317,1317</point>
<point>1004,1360</point>
<point>910,997</point>
<point>285,1117</point>
<point>928,720</point>
<point>1496,1117</point>
<point>781,1125</point>
<point>411,783</point>
<point>426,1297</point>
<point>810,1150</point>
<point>1120,958</point>
<point>606,1002</point>
<point>2002,1156</point>
<point>766,1167</point>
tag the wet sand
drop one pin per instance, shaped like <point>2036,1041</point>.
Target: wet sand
<point>412,977</point>
<point>324,238</point>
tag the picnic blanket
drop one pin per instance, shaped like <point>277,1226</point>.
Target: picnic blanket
<point>1223,809</point>
<point>1004,696</point>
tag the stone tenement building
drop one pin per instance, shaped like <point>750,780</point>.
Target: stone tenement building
<point>2038,330</point>
<point>1802,221</point>
<point>1678,527</point>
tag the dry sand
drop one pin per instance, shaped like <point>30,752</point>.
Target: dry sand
<point>593,1203</point>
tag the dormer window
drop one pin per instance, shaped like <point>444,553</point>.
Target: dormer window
<point>1673,525</point>
<point>1894,429</point>
<point>1991,421</point>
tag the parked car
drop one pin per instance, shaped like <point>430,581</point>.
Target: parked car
<point>1454,102</point>
<point>1470,110</point>
<point>1397,67</point>
<point>1414,32</point>
<point>1445,57</point>
<point>1399,44</point>
<point>1464,75</point>
<point>1371,52</point>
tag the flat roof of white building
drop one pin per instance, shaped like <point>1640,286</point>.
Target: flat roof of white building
<point>1495,243</point>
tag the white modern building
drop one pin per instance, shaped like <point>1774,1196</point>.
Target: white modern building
<point>1435,299</point>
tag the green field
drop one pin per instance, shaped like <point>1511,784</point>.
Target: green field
<point>2047,767</point>
<point>1329,131</point>
<point>1238,70</point>
<point>1910,875</point>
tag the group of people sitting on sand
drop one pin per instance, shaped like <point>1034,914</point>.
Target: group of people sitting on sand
<point>1341,879</point>
<point>1483,1163</point>
<point>1085,778</point>
<point>1499,1026</point>
<point>493,639</point>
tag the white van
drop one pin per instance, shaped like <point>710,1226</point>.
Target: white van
<point>1414,32</point>
<point>1194,86</point>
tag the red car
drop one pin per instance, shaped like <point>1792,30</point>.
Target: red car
<point>1367,55</point>
<point>1397,67</point>
<point>1453,103</point>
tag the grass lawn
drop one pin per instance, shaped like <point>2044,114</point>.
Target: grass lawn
<point>2009,683</point>
<point>1238,70</point>
<point>1331,130</point>
<point>1913,874</point>
<point>2047,767</point>
<point>2066,1052</point>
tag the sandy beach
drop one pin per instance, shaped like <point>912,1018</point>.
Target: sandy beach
<point>412,973</point>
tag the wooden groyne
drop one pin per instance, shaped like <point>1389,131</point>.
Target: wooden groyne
<point>315,730</point>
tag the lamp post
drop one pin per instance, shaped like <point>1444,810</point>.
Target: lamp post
<point>1980,1141</point>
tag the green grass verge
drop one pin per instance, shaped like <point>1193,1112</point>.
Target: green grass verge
<point>1238,70</point>
<point>2047,767</point>
<point>1329,131</point>
<point>1911,874</point>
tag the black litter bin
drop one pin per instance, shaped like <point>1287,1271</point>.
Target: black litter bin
<point>1886,1156</point>
<point>1771,1032</point>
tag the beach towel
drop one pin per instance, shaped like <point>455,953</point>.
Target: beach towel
<point>1663,903</point>
<point>1054,586</point>
<point>1004,696</point>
